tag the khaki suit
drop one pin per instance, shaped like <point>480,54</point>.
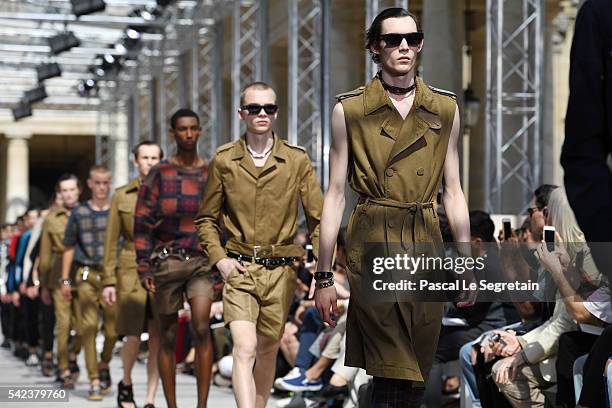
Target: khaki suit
<point>120,261</point>
<point>50,270</point>
<point>260,212</point>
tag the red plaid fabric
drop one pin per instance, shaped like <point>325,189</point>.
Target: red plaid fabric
<point>168,202</point>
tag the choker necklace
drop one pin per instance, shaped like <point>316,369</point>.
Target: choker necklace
<point>257,155</point>
<point>396,90</point>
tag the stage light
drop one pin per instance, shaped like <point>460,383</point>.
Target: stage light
<point>87,88</point>
<point>22,110</point>
<point>82,7</point>
<point>35,95</point>
<point>63,42</point>
<point>108,58</point>
<point>132,34</point>
<point>46,71</point>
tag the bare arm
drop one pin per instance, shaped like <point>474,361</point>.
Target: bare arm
<point>453,198</point>
<point>331,217</point>
<point>334,202</point>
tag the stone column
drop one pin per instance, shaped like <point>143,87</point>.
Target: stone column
<point>121,152</point>
<point>17,175</point>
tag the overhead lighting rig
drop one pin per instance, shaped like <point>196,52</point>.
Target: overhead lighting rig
<point>63,42</point>
<point>83,7</point>
<point>48,70</point>
<point>35,95</point>
<point>21,110</point>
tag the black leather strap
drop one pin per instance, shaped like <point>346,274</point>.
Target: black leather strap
<point>287,260</point>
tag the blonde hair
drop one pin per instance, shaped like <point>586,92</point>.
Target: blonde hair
<point>562,217</point>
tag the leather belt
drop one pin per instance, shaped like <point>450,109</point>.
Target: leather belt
<point>184,253</point>
<point>277,261</point>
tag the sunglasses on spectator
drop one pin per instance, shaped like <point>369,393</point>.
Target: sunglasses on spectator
<point>254,108</point>
<point>531,210</point>
<point>395,39</point>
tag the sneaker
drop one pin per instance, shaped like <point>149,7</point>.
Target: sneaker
<point>105,380</point>
<point>6,344</point>
<point>294,373</point>
<point>94,393</point>
<point>32,360</point>
<point>301,383</point>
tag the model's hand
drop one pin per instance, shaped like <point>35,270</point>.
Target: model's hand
<point>149,284</point>
<point>32,292</point>
<point>227,265</point>
<point>22,288</point>
<point>109,295</point>
<point>15,298</point>
<point>45,296</point>
<point>326,304</point>
<point>66,291</point>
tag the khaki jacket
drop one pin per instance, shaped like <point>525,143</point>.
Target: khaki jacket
<point>259,207</point>
<point>52,247</point>
<point>121,260</point>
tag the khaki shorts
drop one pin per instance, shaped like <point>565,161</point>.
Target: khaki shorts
<point>174,277</point>
<point>261,295</point>
<point>134,303</point>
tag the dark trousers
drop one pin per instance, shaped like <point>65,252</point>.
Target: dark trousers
<point>593,393</point>
<point>5,319</point>
<point>571,346</point>
<point>450,341</point>
<point>394,393</point>
<point>311,325</point>
<point>490,396</point>
<point>46,325</point>
<point>30,308</point>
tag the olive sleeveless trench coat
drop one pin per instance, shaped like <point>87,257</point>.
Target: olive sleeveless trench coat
<point>396,166</point>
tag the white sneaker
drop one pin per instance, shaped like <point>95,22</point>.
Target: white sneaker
<point>294,373</point>
<point>32,360</point>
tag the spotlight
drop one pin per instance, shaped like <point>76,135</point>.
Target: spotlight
<point>132,34</point>
<point>87,88</point>
<point>46,71</point>
<point>63,42</point>
<point>82,7</point>
<point>22,110</point>
<point>35,95</point>
<point>108,58</point>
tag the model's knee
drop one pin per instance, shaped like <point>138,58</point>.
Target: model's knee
<point>167,339</point>
<point>201,332</point>
<point>245,351</point>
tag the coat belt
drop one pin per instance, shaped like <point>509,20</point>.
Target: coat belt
<point>415,210</point>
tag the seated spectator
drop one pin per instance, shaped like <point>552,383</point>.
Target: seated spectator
<point>470,322</point>
<point>529,360</point>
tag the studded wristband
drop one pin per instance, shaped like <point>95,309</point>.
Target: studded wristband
<point>321,284</point>
<point>323,275</point>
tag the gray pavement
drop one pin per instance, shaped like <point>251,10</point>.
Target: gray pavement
<point>14,372</point>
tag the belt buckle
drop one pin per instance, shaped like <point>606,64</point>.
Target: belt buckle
<point>164,253</point>
<point>255,248</point>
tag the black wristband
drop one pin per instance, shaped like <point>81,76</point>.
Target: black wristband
<point>323,275</point>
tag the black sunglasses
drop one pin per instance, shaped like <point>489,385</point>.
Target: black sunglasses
<point>395,39</point>
<point>254,108</point>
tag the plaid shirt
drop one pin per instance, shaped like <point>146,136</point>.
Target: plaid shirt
<point>85,230</point>
<point>168,202</point>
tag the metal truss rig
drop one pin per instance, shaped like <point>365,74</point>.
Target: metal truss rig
<point>513,107</point>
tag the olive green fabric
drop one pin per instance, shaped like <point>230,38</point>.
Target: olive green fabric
<point>120,261</point>
<point>396,166</point>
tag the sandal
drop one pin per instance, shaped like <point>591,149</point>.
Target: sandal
<point>67,382</point>
<point>125,394</point>
<point>75,371</point>
<point>47,367</point>
<point>105,380</point>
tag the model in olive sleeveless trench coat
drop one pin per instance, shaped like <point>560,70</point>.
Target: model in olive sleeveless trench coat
<point>396,166</point>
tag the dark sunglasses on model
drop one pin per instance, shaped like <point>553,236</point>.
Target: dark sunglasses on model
<point>254,108</point>
<point>395,39</point>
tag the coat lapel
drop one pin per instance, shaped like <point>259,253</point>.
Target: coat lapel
<point>423,115</point>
